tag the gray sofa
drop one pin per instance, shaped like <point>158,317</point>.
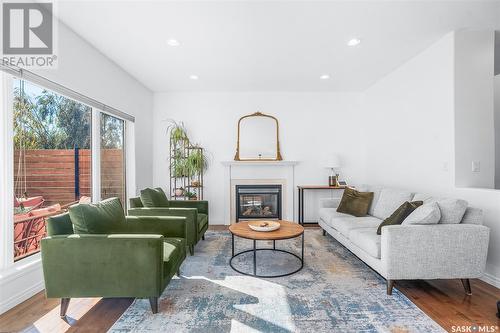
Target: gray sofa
<point>454,248</point>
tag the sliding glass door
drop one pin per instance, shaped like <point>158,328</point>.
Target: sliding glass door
<point>52,160</point>
<point>112,146</point>
<point>59,152</point>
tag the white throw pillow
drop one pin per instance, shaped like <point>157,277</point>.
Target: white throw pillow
<point>426,198</point>
<point>425,214</point>
<point>452,210</point>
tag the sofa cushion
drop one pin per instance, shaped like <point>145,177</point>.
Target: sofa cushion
<point>389,201</point>
<point>135,203</point>
<point>376,195</point>
<point>345,224</point>
<point>399,214</point>
<point>59,225</point>
<point>426,214</point>
<point>152,198</point>
<point>172,248</point>
<point>367,240</point>
<point>355,203</point>
<point>452,210</point>
<point>105,217</point>
<point>326,214</point>
<point>473,216</point>
<point>202,221</point>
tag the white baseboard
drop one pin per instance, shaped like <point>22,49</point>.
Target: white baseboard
<point>21,297</point>
<point>216,222</point>
<point>490,279</point>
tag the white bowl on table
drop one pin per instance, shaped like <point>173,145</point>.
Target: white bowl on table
<point>264,225</point>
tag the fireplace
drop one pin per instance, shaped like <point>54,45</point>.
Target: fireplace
<point>255,202</point>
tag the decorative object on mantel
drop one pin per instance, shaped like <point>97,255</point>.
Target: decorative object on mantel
<point>188,162</point>
<point>333,162</point>
<point>258,138</point>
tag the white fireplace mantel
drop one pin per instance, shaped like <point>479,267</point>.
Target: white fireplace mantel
<point>259,172</point>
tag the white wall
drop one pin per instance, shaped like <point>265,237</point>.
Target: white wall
<point>411,136</point>
<point>85,70</point>
<point>311,124</point>
<point>474,116</point>
<point>497,130</point>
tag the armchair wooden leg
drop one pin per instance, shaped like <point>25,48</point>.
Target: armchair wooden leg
<point>191,249</point>
<point>324,232</point>
<point>390,285</point>
<point>64,306</point>
<point>153,301</point>
<point>203,237</point>
<point>179,271</point>
<point>466,284</point>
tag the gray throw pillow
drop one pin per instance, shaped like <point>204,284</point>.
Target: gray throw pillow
<point>425,214</point>
<point>452,210</point>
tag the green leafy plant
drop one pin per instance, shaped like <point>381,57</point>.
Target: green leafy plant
<point>179,169</point>
<point>196,162</point>
<point>178,134</point>
<point>187,161</point>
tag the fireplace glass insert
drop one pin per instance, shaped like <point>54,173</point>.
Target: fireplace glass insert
<point>258,202</point>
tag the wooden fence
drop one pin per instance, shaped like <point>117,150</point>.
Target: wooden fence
<point>63,175</point>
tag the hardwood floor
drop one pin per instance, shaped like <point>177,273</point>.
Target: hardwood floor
<point>444,301</point>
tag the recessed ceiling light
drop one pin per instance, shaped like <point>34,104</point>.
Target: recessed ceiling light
<point>354,42</point>
<point>173,42</point>
<point>324,77</point>
<point>193,77</point>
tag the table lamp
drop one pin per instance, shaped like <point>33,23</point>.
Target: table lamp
<point>333,162</point>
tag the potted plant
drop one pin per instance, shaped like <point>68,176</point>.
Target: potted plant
<point>178,134</point>
<point>179,191</point>
<point>196,162</point>
<point>191,195</point>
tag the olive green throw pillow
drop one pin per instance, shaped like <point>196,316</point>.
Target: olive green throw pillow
<point>105,217</point>
<point>355,203</point>
<point>154,197</point>
<point>400,214</point>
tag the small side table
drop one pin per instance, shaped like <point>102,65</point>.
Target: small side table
<point>302,189</point>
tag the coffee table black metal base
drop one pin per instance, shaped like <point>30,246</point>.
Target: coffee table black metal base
<point>255,250</point>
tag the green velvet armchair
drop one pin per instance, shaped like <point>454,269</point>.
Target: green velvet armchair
<point>196,213</point>
<point>97,251</point>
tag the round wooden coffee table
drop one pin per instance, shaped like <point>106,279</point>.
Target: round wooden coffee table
<point>287,230</point>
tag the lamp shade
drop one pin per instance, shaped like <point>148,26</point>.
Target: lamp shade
<point>332,161</point>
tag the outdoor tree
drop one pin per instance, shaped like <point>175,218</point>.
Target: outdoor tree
<point>50,121</point>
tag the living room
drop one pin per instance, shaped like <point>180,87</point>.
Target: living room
<point>149,151</point>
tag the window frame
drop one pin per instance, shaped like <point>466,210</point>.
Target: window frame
<point>96,189</point>
<point>10,269</point>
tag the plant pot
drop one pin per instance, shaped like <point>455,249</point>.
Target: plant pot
<point>179,192</point>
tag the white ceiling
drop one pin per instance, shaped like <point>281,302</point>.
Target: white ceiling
<point>268,45</point>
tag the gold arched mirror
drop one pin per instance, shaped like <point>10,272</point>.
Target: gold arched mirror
<point>258,138</point>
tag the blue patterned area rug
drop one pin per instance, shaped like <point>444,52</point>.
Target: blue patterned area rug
<point>334,292</point>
